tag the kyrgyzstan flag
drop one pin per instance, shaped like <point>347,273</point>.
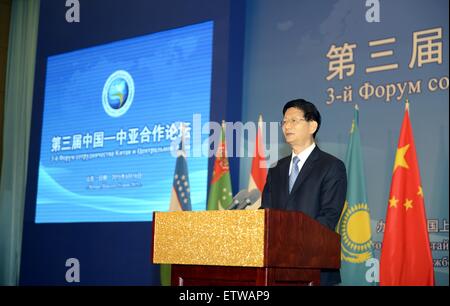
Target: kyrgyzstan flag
<point>405,255</point>
<point>258,173</point>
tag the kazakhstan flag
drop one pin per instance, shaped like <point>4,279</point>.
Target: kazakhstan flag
<point>354,224</point>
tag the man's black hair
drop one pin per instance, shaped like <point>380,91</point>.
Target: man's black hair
<point>310,111</point>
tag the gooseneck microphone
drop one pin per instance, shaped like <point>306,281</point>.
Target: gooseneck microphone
<point>251,198</point>
<point>238,199</point>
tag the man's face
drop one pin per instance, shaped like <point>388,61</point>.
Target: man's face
<point>297,131</point>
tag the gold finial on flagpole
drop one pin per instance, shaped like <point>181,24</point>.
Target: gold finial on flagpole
<point>260,121</point>
<point>407,104</point>
<point>357,107</point>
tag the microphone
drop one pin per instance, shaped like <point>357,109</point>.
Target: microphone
<point>240,197</point>
<point>251,198</point>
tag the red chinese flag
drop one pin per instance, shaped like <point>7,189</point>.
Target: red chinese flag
<point>259,169</point>
<point>405,255</point>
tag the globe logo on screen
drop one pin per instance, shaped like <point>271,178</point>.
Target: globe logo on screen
<point>118,93</point>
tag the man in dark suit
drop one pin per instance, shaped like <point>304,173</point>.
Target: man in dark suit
<point>309,180</point>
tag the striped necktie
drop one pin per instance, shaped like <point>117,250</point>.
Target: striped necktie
<point>294,173</point>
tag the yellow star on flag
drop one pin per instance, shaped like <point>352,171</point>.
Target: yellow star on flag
<point>420,192</point>
<point>400,160</point>
<point>393,202</point>
<point>408,204</point>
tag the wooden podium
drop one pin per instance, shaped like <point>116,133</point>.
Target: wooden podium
<point>243,247</point>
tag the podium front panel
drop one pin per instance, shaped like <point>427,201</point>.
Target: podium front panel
<point>220,237</point>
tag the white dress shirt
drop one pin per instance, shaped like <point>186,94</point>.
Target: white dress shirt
<point>302,156</point>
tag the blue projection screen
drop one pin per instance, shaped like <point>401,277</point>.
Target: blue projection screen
<point>111,113</point>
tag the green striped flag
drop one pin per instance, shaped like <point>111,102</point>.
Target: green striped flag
<point>354,224</point>
<point>220,193</point>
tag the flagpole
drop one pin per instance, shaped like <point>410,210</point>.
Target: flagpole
<point>182,136</point>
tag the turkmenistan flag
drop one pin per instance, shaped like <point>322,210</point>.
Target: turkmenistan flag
<point>354,224</point>
<point>220,193</point>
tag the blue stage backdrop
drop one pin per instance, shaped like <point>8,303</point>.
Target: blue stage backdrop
<point>336,55</point>
<point>112,98</point>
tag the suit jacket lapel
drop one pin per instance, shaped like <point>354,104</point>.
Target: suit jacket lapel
<point>284,168</point>
<point>306,169</point>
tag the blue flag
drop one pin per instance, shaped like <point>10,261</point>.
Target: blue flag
<point>354,224</point>
<point>181,197</point>
<point>180,200</point>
